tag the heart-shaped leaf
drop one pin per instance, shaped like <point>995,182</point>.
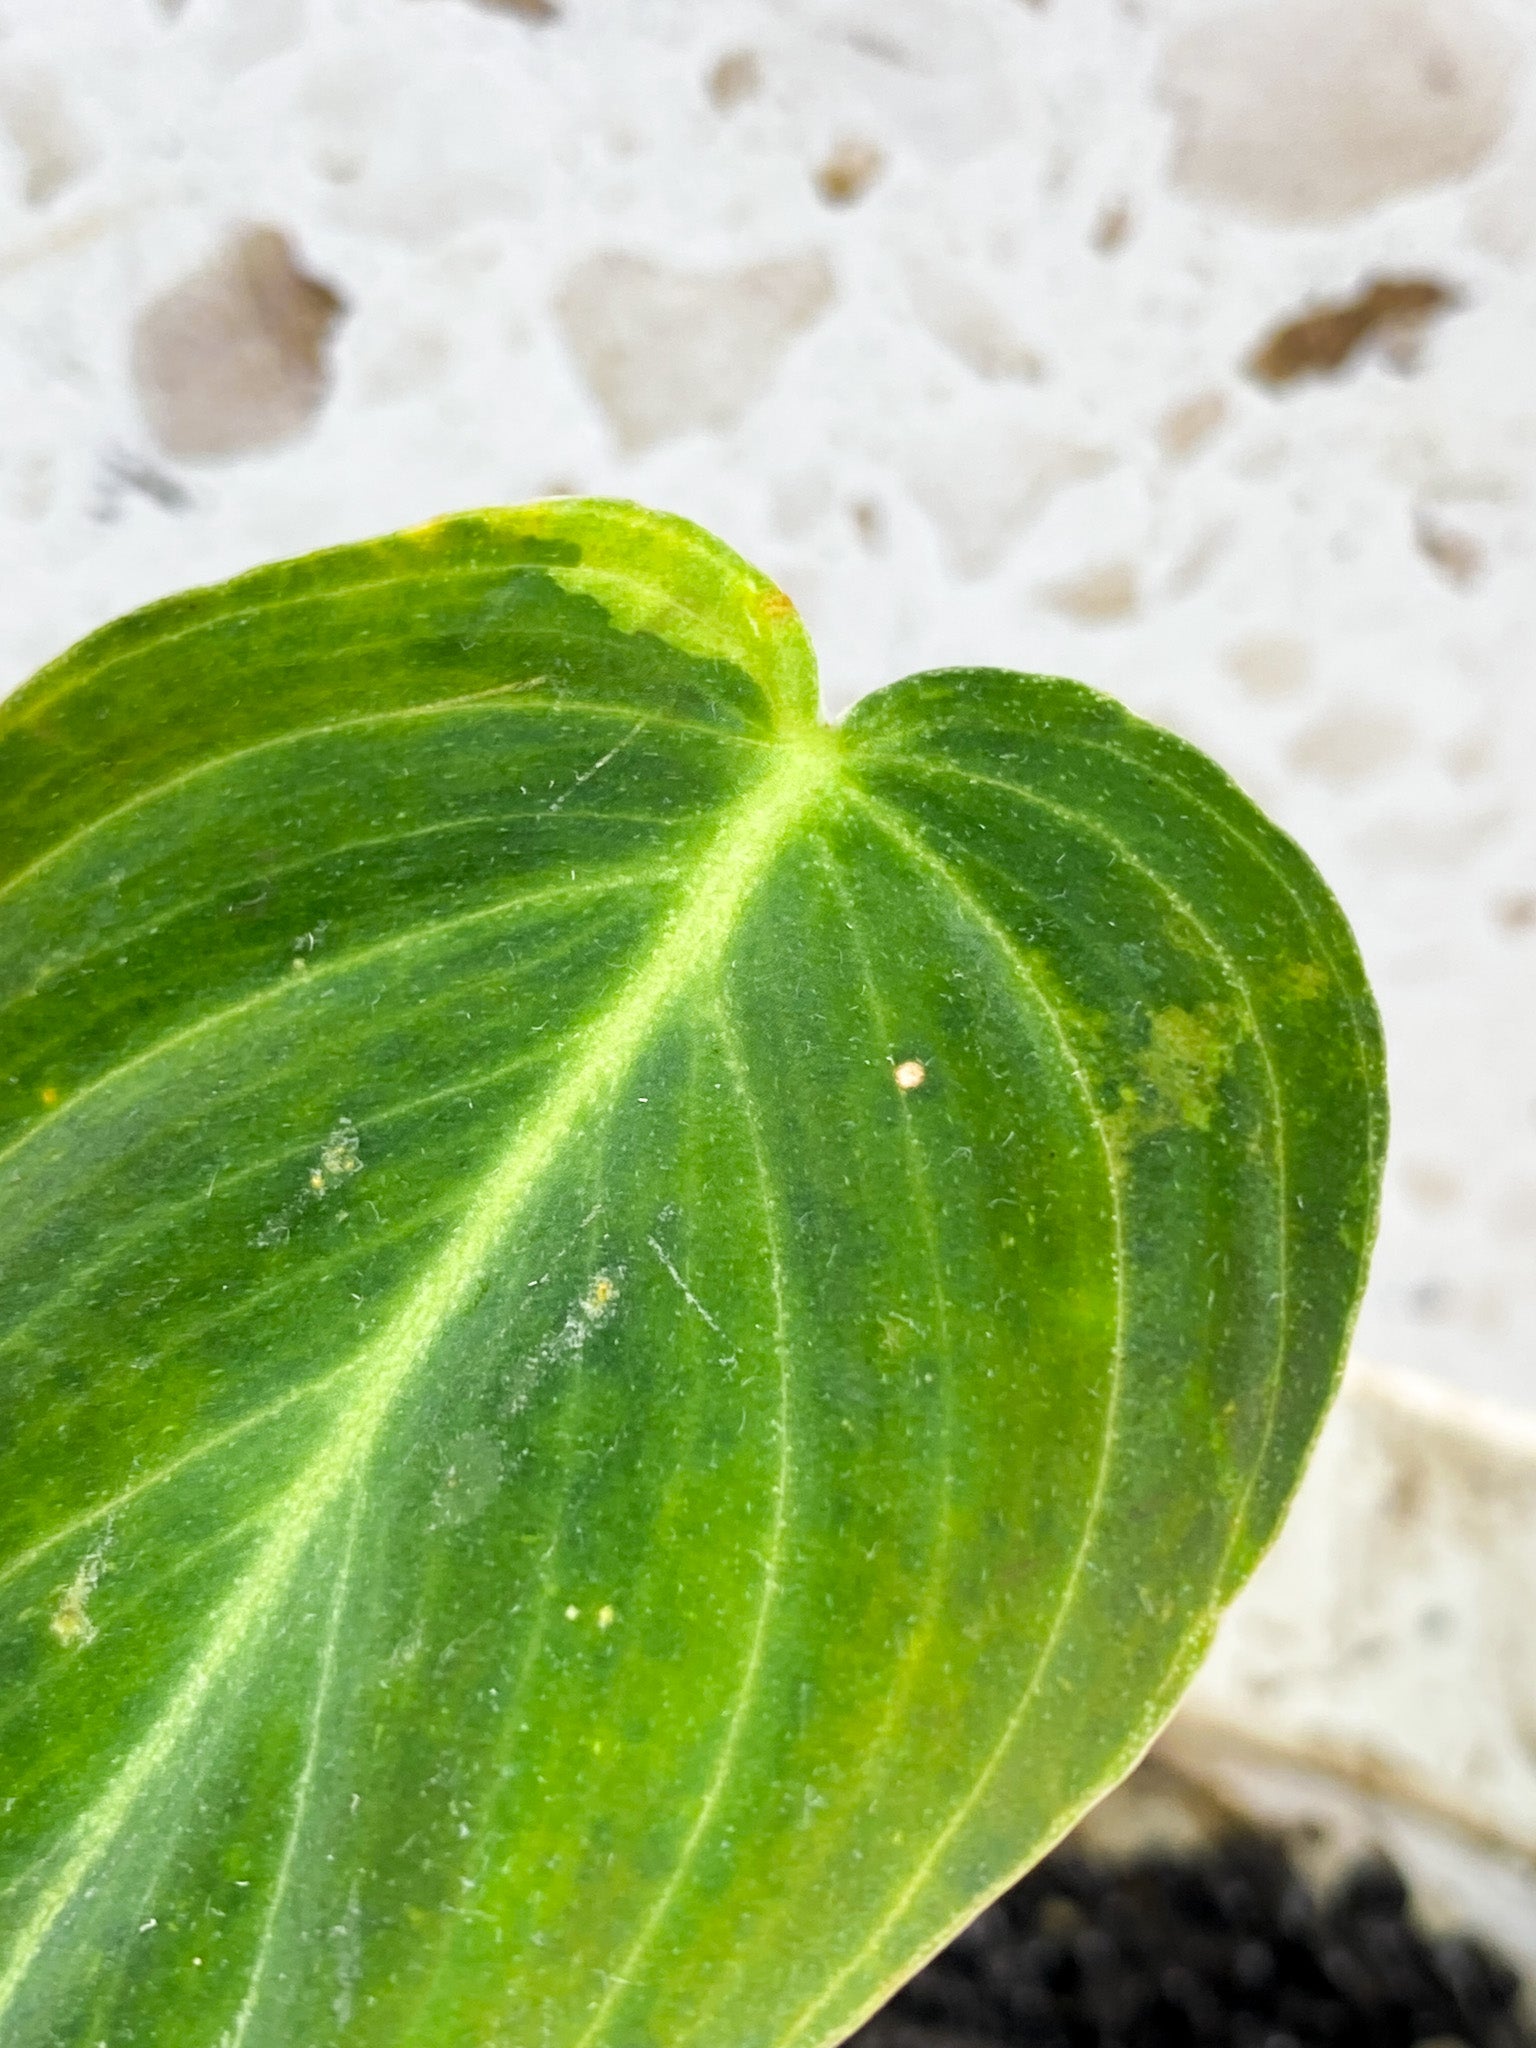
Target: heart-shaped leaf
<point>640,1338</point>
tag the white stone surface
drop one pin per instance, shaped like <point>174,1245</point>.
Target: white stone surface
<point>937,308</point>
<point>1387,1637</point>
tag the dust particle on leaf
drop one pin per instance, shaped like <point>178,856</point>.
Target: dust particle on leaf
<point>597,1303</point>
<point>910,1074</point>
<point>338,1156</point>
<point>70,1623</point>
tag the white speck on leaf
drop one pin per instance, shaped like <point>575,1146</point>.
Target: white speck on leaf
<point>470,1477</point>
<point>910,1074</point>
<point>339,1160</point>
<point>338,1157</point>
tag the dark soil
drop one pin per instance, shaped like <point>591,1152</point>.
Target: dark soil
<point>1224,1946</point>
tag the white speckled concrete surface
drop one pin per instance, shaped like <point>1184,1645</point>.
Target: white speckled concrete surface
<point>938,308</point>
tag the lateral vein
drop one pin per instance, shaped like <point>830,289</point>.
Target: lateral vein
<point>924,856</point>
<point>725,1763</point>
<point>1083,821</point>
<point>288,985</point>
<point>503,697</point>
<point>306,1779</point>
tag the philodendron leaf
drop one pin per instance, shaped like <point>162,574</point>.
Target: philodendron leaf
<point>640,1338</point>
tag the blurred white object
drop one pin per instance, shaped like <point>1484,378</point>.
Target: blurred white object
<point>1378,1675</point>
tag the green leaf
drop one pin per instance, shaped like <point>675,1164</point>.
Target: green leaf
<point>640,1338</point>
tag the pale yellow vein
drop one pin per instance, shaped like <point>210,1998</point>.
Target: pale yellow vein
<point>750,837</point>
<point>324,1678</point>
<point>59,964</point>
<point>621,1980</point>
<point>931,1607</point>
<point>205,1447</point>
<point>1184,910</point>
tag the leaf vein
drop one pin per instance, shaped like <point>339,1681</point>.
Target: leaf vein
<point>925,858</point>
<point>773,1563</point>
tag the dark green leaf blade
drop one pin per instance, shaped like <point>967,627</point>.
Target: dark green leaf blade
<point>640,1340</point>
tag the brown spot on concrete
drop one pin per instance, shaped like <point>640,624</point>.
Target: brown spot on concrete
<point>1186,427</point>
<point>1312,110</point>
<point>38,125</point>
<point>1112,229</point>
<point>234,358</point>
<point>1457,554</point>
<point>972,326</point>
<point>1391,312</point>
<point>1517,912</point>
<point>984,480</point>
<point>849,172</point>
<point>735,79</point>
<point>1428,1185</point>
<point>668,351</point>
<point>1271,666</point>
<point>1101,596</point>
<point>1347,746</point>
<point>869,522</point>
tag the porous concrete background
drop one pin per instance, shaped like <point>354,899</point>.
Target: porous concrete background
<point>973,321</point>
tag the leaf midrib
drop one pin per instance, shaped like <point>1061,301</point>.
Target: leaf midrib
<point>749,840</point>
